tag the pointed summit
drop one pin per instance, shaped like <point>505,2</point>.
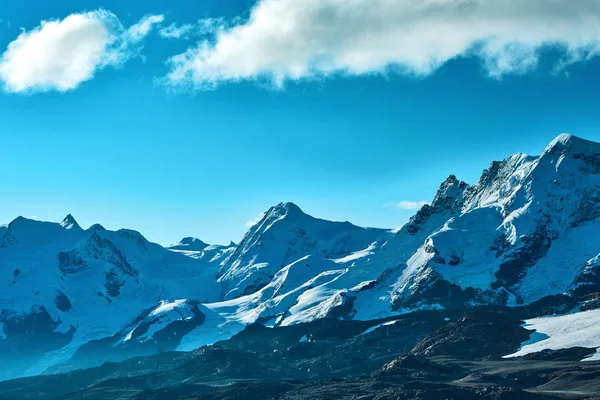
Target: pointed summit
<point>287,208</point>
<point>19,220</point>
<point>562,139</point>
<point>282,211</point>
<point>69,223</point>
<point>450,193</point>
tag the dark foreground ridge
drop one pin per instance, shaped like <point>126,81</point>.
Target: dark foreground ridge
<point>422,355</point>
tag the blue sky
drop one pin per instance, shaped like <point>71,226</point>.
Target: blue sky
<point>342,130</point>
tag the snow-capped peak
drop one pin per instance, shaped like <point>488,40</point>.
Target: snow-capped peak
<point>286,209</point>
<point>283,235</point>
<point>573,144</point>
<point>69,223</point>
<point>288,212</point>
<point>450,193</point>
<point>560,141</point>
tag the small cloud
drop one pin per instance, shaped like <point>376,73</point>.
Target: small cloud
<point>176,32</point>
<point>207,26</point>
<point>61,54</point>
<point>140,30</point>
<point>255,221</point>
<point>408,204</point>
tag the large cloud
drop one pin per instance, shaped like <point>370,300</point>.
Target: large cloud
<point>61,54</point>
<point>299,39</point>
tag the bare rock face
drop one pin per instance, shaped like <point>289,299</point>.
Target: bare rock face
<point>477,335</point>
<point>70,262</point>
<point>28,337</point>
<point>449,199</point>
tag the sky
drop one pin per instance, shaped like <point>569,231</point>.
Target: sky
<point>190,118</point>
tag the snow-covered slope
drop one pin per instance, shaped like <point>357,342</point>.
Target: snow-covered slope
<point>283,235</point>
<point>581,329</point>
<point>62,286</point>
<point>526,230</point>
<point>97,290</point>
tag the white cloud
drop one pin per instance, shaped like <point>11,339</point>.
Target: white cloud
<point>139,31</point>
<point>174,31</point>
<point>61,54</point>
<point>211,25</point>
<point>301,39</point>
<point>203,27</point>
<point>409,205</point>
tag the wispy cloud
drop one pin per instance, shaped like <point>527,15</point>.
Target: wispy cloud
<point>287,40</point>
<point>61,54</point>
<point>408,204</point>
<point>139,31</point>
<point>175,31</point>
<point>254,221</point>
<point>207,26</point>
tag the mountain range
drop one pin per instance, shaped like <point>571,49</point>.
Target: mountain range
<point>524,237</point>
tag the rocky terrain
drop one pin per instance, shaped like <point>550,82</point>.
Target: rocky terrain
<point>422,355</point>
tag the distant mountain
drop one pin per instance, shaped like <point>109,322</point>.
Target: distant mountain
<point>189,244</point>
<point>63,286</point>
<point>527,231</point>
<point>282,236</point>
